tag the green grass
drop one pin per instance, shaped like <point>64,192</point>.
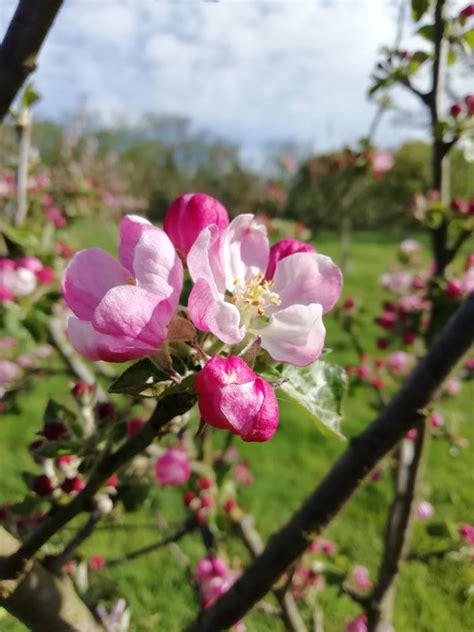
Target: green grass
<point>431,597</point>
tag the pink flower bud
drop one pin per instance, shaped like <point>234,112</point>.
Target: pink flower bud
<point>172,468</point>
<point>282,249</point>
<point>56,217</point>
<point>73,485</point>
<point>360,578</point>
<point>454,289</point>
<point>96,563</point>
<point>460,206</point>
<point>45,276</point>
<point>469,99</point>
<point>466,531</point>
<point>424,510</point>
<point>455,110</point>
<point>134,425</point>
<point>54,430</point>
<point>30,263</point>
<point>467,12</point>
<point>359,624</point>
<point>349,303</point>
<point>412,434</point>
<point>437,420</point>
<point>42,485</point>
<point>232,397</point>
<point>398,362</point>
<point>189,214</point>
<point>387,320</point>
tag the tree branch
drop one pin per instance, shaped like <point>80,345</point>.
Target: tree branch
<point>21,45</point>
<point>54,563</point>
<point>166,409</point>
<point>289,610</point>
<point>380,603</point>
<point>186,528</point>
<point>41,600</point>
<point>404,412</point>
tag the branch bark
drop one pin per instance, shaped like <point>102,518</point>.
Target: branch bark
<point>41,600</point>
<point>404,412</point>
<point>21,45</point>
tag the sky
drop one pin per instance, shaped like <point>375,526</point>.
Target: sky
<point>251,71</point>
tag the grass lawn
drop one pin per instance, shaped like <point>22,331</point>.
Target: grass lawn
<point>431,597</point>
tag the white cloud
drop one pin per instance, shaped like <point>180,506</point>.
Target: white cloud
<point>252,71</point>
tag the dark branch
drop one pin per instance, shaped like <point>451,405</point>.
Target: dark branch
<point>54,563</point>
<point>404,412</point>
<point>21,45</point>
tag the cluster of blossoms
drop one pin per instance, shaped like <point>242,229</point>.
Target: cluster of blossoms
<point>22,277</point>
<point>244,294</point>
<point>463,110</point>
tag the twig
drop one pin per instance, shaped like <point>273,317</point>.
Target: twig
<point>289,610</point>
<point>189,526</point>
<point>166,409</point>
<point>54,563</point>
<point>380,602</point>
<point>21,45</point>
<point>403,413</point>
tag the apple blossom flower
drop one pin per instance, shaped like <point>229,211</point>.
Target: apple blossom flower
<point>424,510</point>
<point>398,362</point>
<point>409,247</point>
<point>437,420</point>
<point>118,620</point>
<point>172,468</point>
<point>282,249</point>
<point>56,217</point>
<point>396,282</point>
<point>232,299</point>
<point>360,578</point>
<point>122,310</point>
<point>232,397</point>
<point>96,563</point>
<point>8,371</point>
<point>382,161</point>
<point>242,474</point>
<point>189,214</point>
<point>452,386</point>
<point>16,280</point>
<point>467,12</point>
<point>214,579</point>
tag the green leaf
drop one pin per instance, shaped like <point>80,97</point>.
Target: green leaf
<point>142,378</point>
<point>52,449</point>
<point>427,32</point>
<point>57,412</point>
<point>316,393</point>
<point>452,57</point>
<point>468,38</point>
<point>416,61</point>
<point>29,96</point>
<point>26,506</point>
<point>419,8</point>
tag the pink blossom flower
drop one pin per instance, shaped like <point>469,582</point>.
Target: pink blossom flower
<point>16,281</point>
<point>214,579</point>
<point>242,474</point>
<point>189,214</point>
<point>30,263</point>
<point>437,420</point>
<point>466,531</point>
<point>359,624</point>
<point>453,386</point>
<point>382,161</point>
<point>282,249</point>
<point>413,303</point>
<point>398,362</point>
<point>409,247</point>
<point>424,510</point>
<point>172,468</point>
<point>231,297</point>
<point>232,397</point>
<point>96,563</point>
<point>322,545</point>
<point>45,276</point>
<point>8,372</point>
<point>397,282</point>
<point>122,310</point>
<point>360,578</point>
<point>56,217</point>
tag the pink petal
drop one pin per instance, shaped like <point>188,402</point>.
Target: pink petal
<point>295,334</point>
<point>209,313</point>
<point>96,346</point>
<point>89,275</point>
<point>156,265</point>
<point>133,312</point>
<point>251,409</point>
<point>305,278</point>
<point>204,260</point>
<point>244,250</point>
<point>132,228</point>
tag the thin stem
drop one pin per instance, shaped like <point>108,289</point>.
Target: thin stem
<point>364,452</point>
<point>24,134</point>
<point>187,527</point>
<point>54,563</point>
